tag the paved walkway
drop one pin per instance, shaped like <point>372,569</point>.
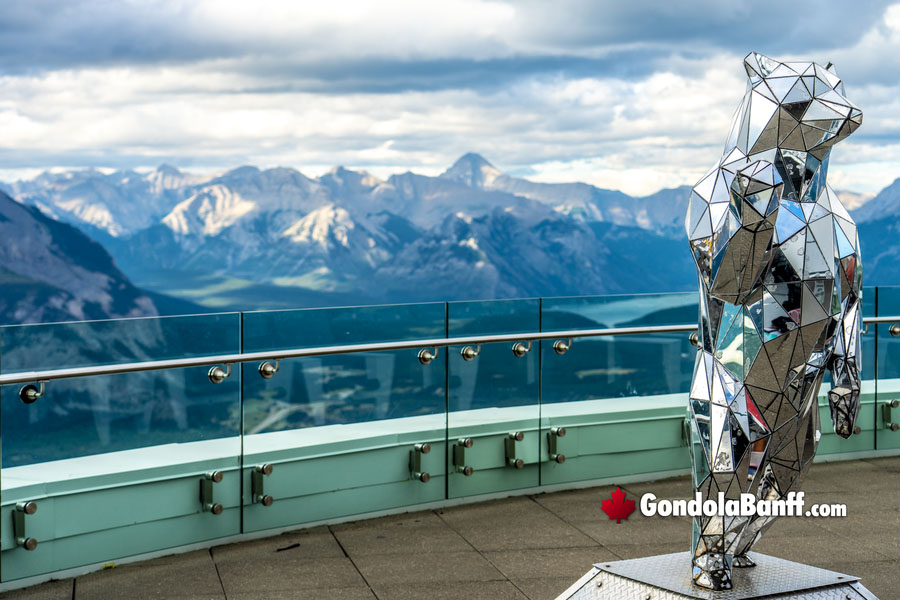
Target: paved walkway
<point>530,547</point>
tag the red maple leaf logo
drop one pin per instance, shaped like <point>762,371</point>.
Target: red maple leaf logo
<point>618,508</point>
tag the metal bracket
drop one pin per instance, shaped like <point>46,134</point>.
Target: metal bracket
<point>257,485</point>
<point>686,432</point>
<point>510,442</point>
<point>267,369</point>
<point>426,355</point>
<point>470,352</point>
<point>218,374</point>
<point>552,445</point>
<point>22,510</point>
<point>415,462</point>
<point>886,414</point>
<point>459,456</point>
<point>519,349</point>
<point>562,346</point>
<point>31,392</point>
<point>206,492</point>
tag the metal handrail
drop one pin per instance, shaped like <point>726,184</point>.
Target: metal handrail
<point>228,359</point>
<point>225,359</point>
<point>879,320</point>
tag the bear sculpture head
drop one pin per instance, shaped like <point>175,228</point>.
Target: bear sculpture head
<point>776,156</point>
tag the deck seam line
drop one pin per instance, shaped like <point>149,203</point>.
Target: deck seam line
<point>352,562</point>
<point>218,575</point>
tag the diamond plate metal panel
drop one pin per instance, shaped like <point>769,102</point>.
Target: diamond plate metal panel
<point>667,577</point>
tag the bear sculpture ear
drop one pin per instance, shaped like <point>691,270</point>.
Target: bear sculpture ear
<point>758,65</point>
<point>830,68</point>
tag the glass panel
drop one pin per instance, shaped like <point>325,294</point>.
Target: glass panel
<point>314,412</point>
<point>492,396</point>
<point>621,400</point>
<point>341,389</point>
<point>93,415</point>
<point>888,364</point>
<point>111,456</point>
<point>888,345</point>
<point>618,366</point>
<point>870,301</point>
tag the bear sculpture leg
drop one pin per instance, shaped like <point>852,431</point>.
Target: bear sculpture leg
<point>727,429</point>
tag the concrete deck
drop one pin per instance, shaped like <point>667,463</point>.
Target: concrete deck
<point>529,547</point>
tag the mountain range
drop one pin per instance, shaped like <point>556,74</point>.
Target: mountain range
<point>275,238</point>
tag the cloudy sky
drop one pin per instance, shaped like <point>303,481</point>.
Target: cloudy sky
<point>627,95</point>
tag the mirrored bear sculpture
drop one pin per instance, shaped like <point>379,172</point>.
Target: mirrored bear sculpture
<point>780,280</point>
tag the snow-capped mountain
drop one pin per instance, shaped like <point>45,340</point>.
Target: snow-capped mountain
<point>328,247</point>
<point>124,202</point>
<point>117,203</point>
<point>885,204</point>
<point>505,254</point>
<point>879,226</point>
<point>662,212</point>
<point>207,212</point>
<point>408,238</point>
<point>471,232</point>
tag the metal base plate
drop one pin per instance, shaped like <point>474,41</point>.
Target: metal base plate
<point>668,577</point>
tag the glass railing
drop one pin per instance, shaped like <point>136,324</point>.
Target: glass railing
<point>618,366</point>
<point>136,462</point>
<point>100,455</point>
<point>338,406</point>
<point>92,416</point>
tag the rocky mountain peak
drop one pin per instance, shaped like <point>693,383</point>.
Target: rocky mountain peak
<point>167,169</point>
<point>472,170</point>
<point>240,173</point>
<point>885,204</point>
<point>324,226</point>
<point>343,179</point>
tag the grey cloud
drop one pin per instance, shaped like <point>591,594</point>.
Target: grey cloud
<point>46,35</point>
<point>376,75</point>
<point>573,38</point>
<point>545,42</point>
<point>771,25</point>
<point>112,158</point>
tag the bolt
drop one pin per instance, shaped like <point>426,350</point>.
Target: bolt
<point>29,508</point>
